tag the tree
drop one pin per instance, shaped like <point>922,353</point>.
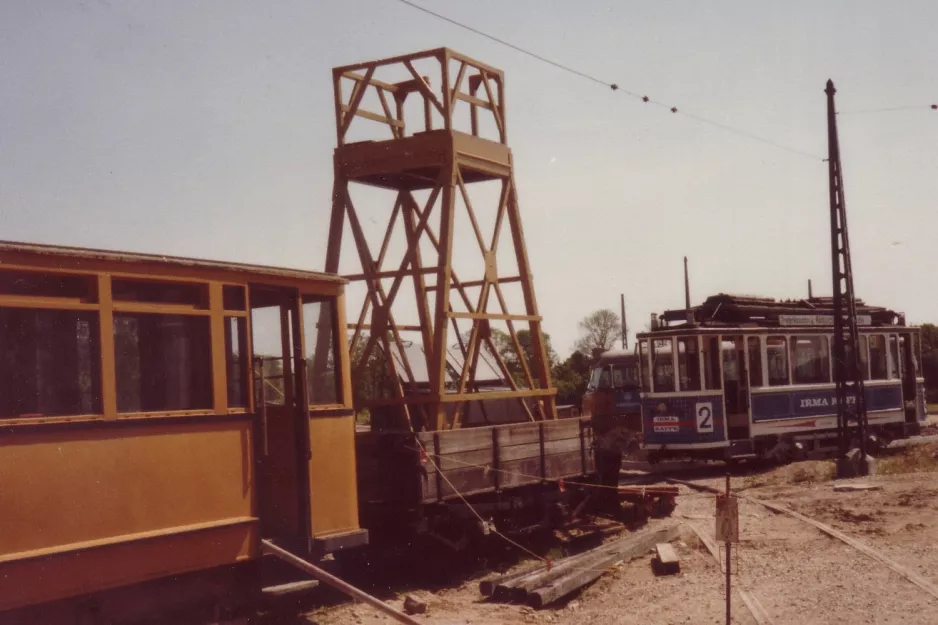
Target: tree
<point>506,349</point>
<point>570,378</point>
<point>600,329</point>
<point>930,360</point>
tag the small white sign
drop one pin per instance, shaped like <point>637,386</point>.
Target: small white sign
<point>705,417</point>
<point>818,320</point>
<point>727,519</point>
<point>667,428</point>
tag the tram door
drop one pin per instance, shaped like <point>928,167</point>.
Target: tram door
<point>736,387</point>
<point>280,401</point>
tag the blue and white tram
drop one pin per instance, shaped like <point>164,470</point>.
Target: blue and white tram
<point>754,377</point>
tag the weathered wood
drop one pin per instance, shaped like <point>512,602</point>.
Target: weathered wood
<point>323,576</point>
<point>578,577</point>
<point>487,586</point>
<point>755,608</point>
<point>292,588</point>
<point>667,561</point>
<point>850,488</point>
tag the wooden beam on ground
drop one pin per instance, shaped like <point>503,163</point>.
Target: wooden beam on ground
<point>755,608</point>
<point>667,561</point>
<point>269,548</point>
<point>631,547</point>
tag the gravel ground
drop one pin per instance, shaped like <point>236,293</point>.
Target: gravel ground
<point>799,575</point>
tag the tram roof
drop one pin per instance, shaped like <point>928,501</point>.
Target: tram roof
<point>723,310</point>
<point>79,254</point>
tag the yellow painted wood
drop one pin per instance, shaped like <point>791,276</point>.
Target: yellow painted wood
<point>74,486</point>
<point>332,481</point>
<point>106,325</point>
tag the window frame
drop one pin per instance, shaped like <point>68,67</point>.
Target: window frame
<point>824,343</point>
<point>785,350</point>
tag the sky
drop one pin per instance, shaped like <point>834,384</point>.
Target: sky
<point>206,129</point>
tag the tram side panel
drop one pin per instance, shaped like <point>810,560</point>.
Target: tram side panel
<point>799,411</point>
<point>685,421</point>
<point>97,507</point>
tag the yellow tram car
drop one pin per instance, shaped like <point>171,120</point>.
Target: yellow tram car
<point>160,415</point>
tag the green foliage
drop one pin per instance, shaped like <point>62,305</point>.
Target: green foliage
<point>930,360</point>
<point>600,330</point>
<point>570,378</point>
<point>506,349</point>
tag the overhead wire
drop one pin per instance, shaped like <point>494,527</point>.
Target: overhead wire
<point>614,86</point>
<point>919,107</point>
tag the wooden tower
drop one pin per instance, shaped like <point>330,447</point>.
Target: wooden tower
<point>427,130</point>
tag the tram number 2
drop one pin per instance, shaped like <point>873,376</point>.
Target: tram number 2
<point>705,417</point>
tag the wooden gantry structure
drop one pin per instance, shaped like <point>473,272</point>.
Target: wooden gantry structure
<point>439,130</point>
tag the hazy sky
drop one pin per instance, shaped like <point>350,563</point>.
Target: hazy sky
<point>207,129</point>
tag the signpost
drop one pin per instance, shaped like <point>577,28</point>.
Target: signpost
<point>727,531</point>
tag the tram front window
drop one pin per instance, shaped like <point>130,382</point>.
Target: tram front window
<point>599,379</point>
<point>613,376</point>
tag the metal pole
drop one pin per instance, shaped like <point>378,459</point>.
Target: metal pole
<point>810,290</point>
<point>729,548</point>
<point>686,286</point>
<point>625,327</point>
<point>272,549</point>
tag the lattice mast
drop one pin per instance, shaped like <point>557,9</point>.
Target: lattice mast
<point>457,139</point>
<point>851,395</point>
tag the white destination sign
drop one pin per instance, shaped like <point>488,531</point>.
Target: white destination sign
<point>818,320</point>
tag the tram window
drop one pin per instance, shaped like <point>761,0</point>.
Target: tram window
<point>917,347</point>
<point>160,292</point>
<point>624,375</point>
<point>662,366</point>
<point>755,361</point>
<point>39,284</point>
<point>878,368</point>
<point>163,362</point>
<point>49,363</point>
<point>235,339</point>
<point>319,332</point>
<point>810,359</point>
<point>895,368</point>
<point>865,356</point>
<point>776,348</point>
<point>689,363</point>
<point>267,344</point>
<point>232,296</point>
<point>711,358</point>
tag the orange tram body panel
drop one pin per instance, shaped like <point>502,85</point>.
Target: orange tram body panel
<point>160,415</point>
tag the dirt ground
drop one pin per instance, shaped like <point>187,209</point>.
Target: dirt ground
<point>798,574</point>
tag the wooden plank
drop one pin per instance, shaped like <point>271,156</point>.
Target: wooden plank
<point>667,561</point>
<point>487,586</point>
<point>106,332</point>
<point>395,123</point>
<point>632,547</point>
<point>475,101</point>
<point>562,428</point>
<point>377,83</point>
<point>755,608</point>
<point>462,459</point>
<point>493,316</point>
<point>518,434</point>
<point>218,356</point>
<point>292,588</point>
<point>465,481</point>
<point>520,472</point>
<point>565,465</point>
